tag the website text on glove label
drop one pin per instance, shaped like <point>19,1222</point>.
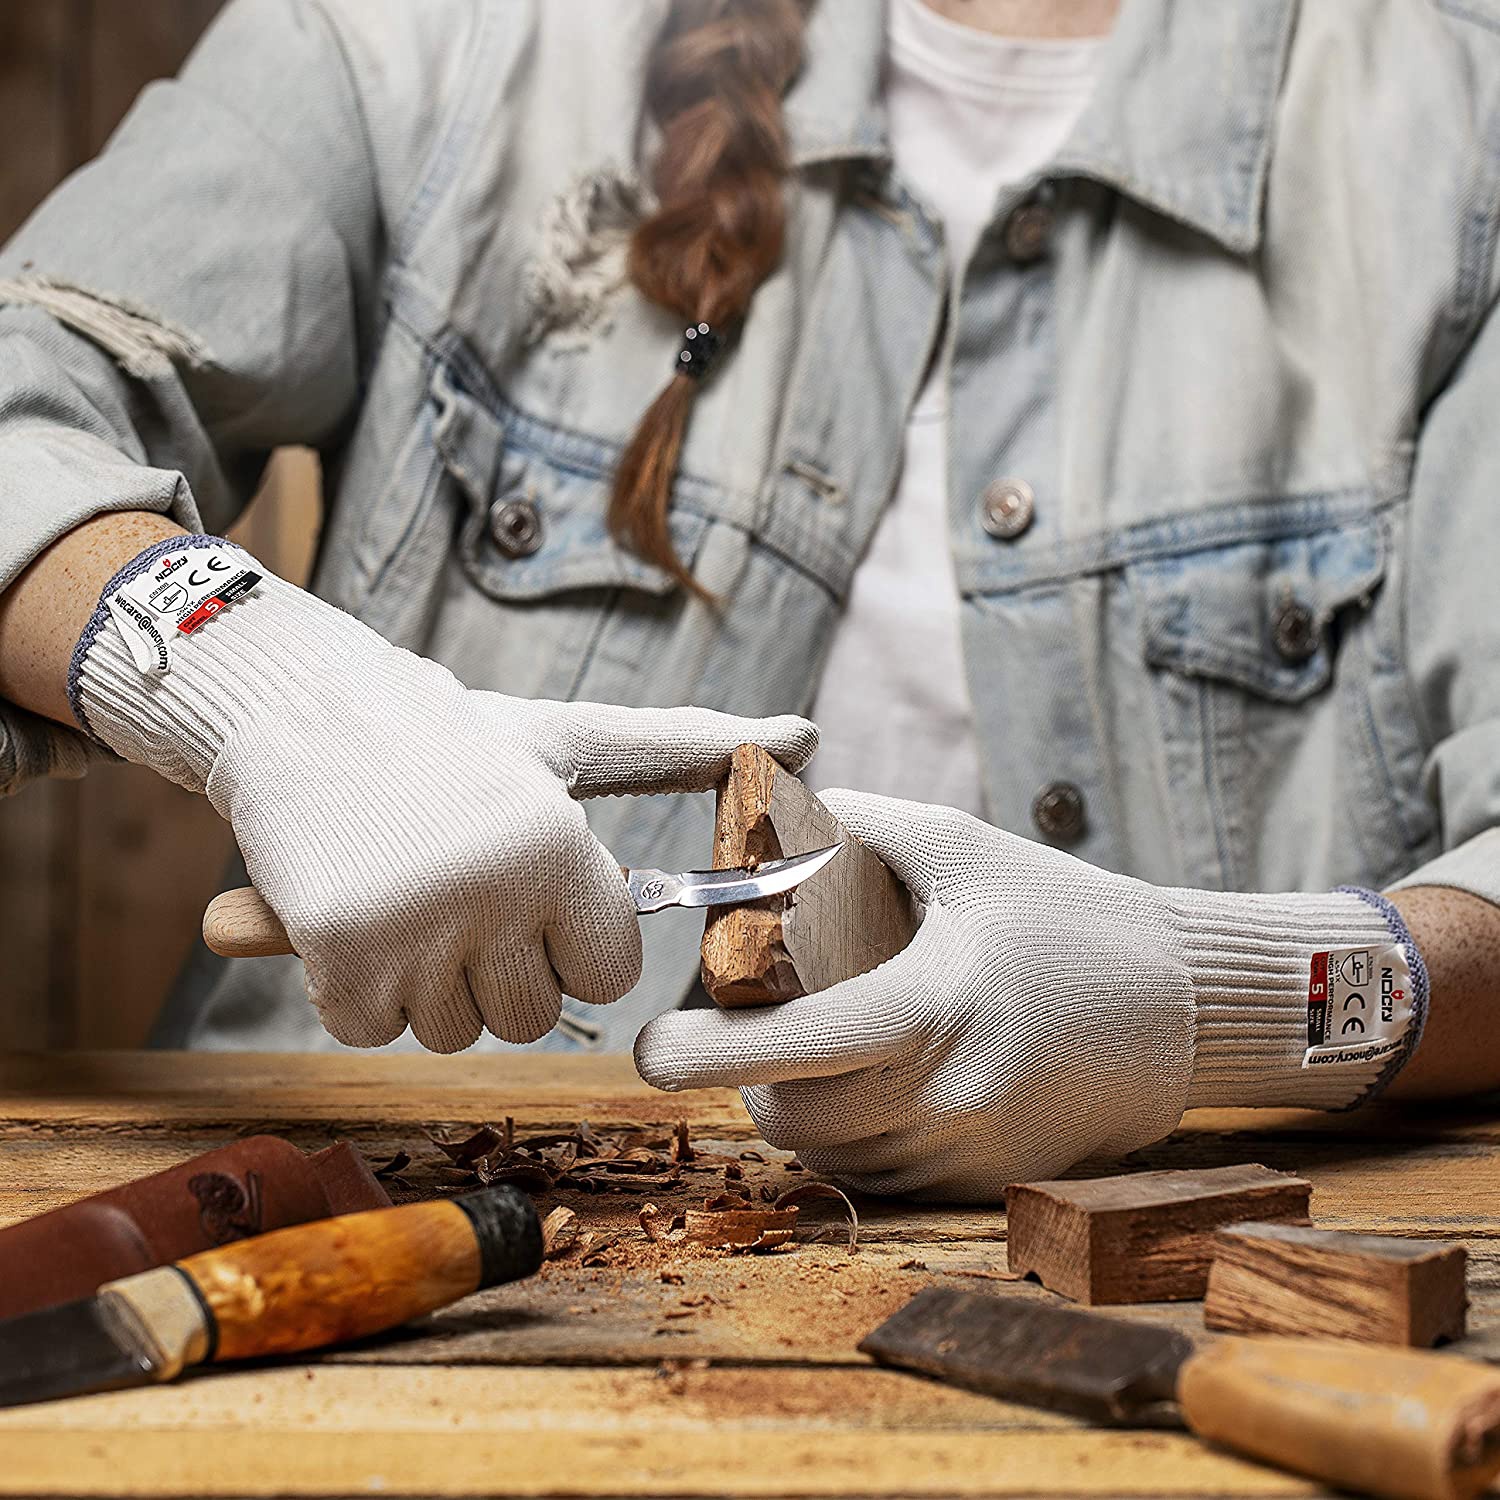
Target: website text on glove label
<point>176,595</point>
<point>1358,1005</point>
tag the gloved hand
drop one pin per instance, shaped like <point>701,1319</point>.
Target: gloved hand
<point>1046,1011</point>
<point>420,842</point>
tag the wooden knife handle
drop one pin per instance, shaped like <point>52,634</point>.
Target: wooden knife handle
<point>239,924</point>
<point>843,921</point>
<point>345,1278</point>
<point>1384,1421</point>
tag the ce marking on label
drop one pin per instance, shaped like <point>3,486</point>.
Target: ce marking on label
<point>1353,1023</point>
<point>213,565</point>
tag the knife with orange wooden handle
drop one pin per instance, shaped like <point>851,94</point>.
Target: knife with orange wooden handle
<point>281,1293</point>
<point>239,923</point>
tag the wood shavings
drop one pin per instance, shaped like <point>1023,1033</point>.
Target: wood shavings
<point>658,1226</point>
<point>743,1208</point>
<point>530,1177</point>
<point>594,1252</point>
<point>392,1167</point>
<point>720,1201</point>
<point>740,1228</point>
<point>560,1231</point>
<point>813,1190</point>
<point>465,1153</point>
<point>630,1161</point>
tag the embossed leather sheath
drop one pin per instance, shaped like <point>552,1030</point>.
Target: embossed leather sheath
<point>255,1185</point>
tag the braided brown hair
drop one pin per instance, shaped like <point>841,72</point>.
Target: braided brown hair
<point>714,85</point>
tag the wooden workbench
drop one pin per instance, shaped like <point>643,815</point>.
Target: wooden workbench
<point>739,1379</point>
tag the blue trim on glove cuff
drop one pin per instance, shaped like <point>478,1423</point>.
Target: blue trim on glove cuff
<point>100,617</point>
<point>1419,987</point>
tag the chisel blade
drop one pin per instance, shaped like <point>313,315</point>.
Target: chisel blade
<point>89,1345</point>
<point>1104,1369</point>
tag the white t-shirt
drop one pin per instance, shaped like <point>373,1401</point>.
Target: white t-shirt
<point>969,112</point>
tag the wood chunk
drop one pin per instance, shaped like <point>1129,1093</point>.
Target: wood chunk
<point>1141,1237</point>
<point>846,919</point>
<point>1380,1288</point>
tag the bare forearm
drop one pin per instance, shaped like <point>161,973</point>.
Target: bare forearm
<point>1458,935</point>
<point>45,610</point>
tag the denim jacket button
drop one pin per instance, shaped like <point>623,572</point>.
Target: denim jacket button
<point>1028,231</point>
<point>1294,631</point>
<point>1007,508</point>
<point>516,527</point>
<point>1058,812</point>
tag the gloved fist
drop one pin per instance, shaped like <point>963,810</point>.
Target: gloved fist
<point>1046,1011</point>
<point>420,842</point>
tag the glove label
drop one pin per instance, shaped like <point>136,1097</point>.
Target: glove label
<point>175,596</point>
<point>1358,1005</point>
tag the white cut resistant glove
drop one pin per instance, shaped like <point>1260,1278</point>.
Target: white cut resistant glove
<point>420,842</point>
<point>1046,1011</point>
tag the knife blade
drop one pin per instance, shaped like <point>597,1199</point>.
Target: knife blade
<point>281,1293</point>
<point>239,924</point>
<point>654,890</point>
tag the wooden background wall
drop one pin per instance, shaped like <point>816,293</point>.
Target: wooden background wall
<point>103,881</point>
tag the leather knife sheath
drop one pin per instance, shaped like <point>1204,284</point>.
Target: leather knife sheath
<point>248,1188</point>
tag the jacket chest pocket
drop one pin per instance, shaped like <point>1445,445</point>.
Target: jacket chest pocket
<point>540,600</point>
<point>1292,757</point>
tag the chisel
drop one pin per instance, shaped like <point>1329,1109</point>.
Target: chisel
<point>297,1289</point>
<point>1391,1422</point>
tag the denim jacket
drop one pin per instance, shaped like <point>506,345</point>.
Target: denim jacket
<point>1224,395</point>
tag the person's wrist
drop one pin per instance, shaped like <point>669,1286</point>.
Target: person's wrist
<point>1259,981</point>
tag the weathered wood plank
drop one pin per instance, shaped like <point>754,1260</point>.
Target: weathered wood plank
<point>163,1091</point>
<point>582,1380</point>
<point>335,1431</point>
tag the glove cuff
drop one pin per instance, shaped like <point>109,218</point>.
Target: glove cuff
<point>1273,1007</point>
<point>255,657</point>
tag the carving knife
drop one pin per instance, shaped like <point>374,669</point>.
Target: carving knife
<point>1402,1423</point>
<point>239,924</point>
<point>295,1289</point>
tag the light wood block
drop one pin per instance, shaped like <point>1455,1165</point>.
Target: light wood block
<point>1287,1278</point>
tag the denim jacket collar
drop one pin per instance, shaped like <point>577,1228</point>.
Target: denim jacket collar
<point>1189,140</point>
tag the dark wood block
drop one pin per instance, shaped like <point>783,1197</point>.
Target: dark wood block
<point>1380,1288</point>
<point>1141,1237</point>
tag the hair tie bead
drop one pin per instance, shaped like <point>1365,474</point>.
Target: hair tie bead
<point>700,346</point>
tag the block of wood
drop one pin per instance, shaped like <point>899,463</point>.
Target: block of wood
<point>1144,1236</point>
<point>848,918</point>
<point>1380,1288</point>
